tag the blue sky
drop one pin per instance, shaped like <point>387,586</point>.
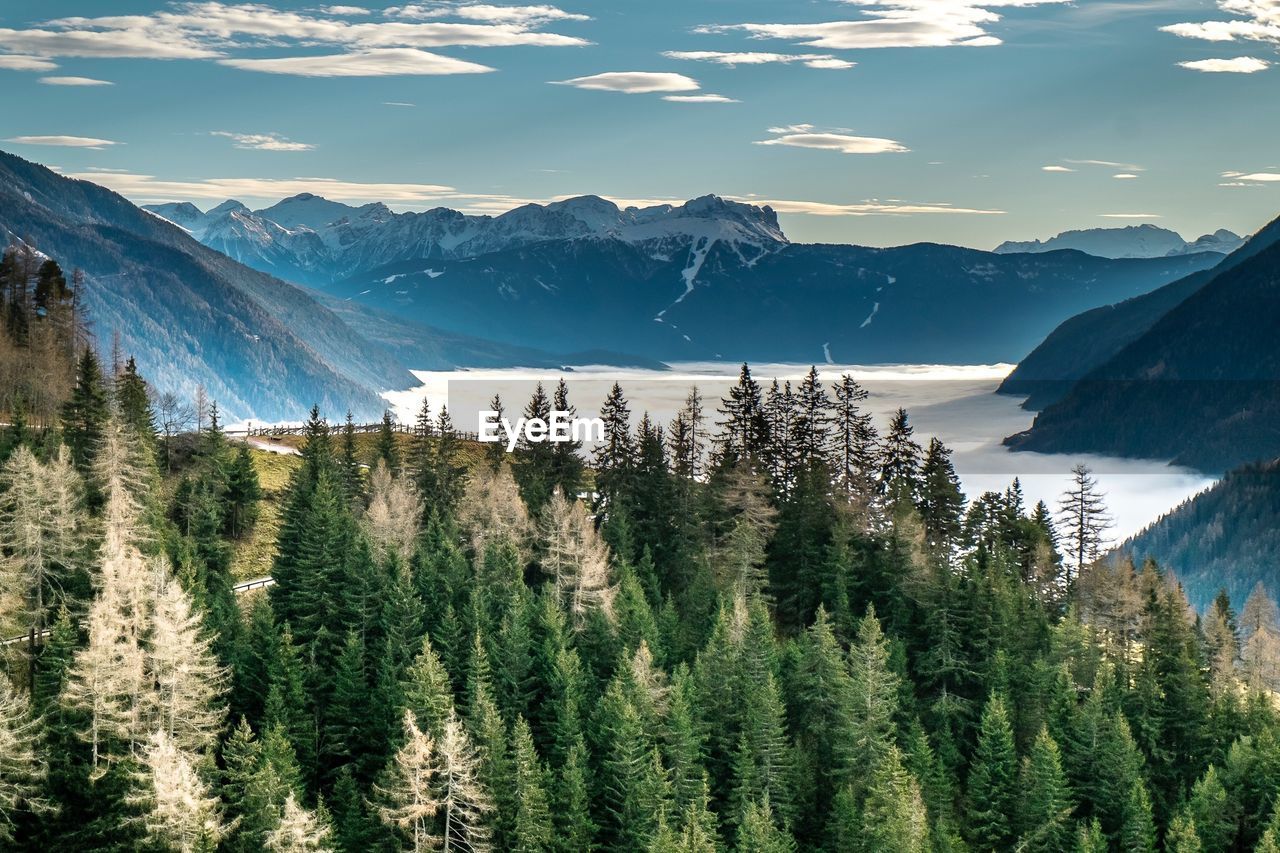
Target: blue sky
<point>867,121</point>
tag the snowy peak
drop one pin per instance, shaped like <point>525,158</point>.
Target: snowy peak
<point>309,238</point>
<point>1132,241</point>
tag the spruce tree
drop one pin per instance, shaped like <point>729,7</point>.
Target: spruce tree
<point>993,780</point>
<point>1045,812</point>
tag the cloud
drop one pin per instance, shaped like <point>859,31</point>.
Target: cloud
<point>1108,164</point>
<point>708,98</point>
<point>397,104</point>
<point>868,208</point>
<point>17,62</point>
<point>263,141</point>
<point>149,188</point>
<point>893,23</point>
<point>634,82</point>
<point>806,136</point>
<point>486,12</point>
<point>1124,176</point>
<point>812,60</point>
<point>235,33</point>
<point>1056,169</point>
<point>64,141</point>
<point>1262,177</point>
<point>1255,20</point>
<point>74,81</point>
<point>368,63</point>
<point>1239,65</point>
<point>1130,215</point>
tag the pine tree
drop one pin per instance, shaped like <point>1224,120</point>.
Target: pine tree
<point>244,492</point>
<point>188,682</point>
<point>1211,813</point>
<point>742,432</point>
<point>856,453</point>
<point>894,816</point>
<point>758,831</point>
<point>574,828</point>
<point>299,831</point>
<point>575,557</point>
<point>1084,521</point>
<point>1182,836</point>
<point>412,789</point>
<point>22,763</point>
<point>394,515</point>
<point>531,825</point>
<point>1089,838</point>
<point>180,812</point>
<point>900,465</point>
<point>873,695</point>
<point>1044,816</point>
<point>85,414</point>
<point>1138,834</point>
<point>993,782</point>
<point>385,448</point>
<point>133,402</point>
<point>941,503</point>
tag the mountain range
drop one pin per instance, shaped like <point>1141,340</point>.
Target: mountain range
<point>1190,373</point>
<point>711,278</point>
<point>1131,241</point>
<point>264,349</point>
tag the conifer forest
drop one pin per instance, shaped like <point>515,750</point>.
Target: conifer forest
<point>770,625</point>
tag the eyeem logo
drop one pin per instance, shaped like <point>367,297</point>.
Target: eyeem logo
<point>561,427</point>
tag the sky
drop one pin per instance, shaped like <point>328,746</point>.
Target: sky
<point>877,122</point>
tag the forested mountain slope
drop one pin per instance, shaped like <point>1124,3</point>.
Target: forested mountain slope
<point>1087,340</point>
<point>1200,387</point>
<point>1226,537</point>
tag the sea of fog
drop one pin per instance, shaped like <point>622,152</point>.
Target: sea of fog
<point>955,403</point>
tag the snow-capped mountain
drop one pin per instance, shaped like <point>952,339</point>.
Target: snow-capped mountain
<point>311,239</point>
<point>1133,241</point>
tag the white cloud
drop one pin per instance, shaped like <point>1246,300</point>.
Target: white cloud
<point>708,98</point>
<point>486,12</point>
<point>234,32</point>
<point>893,23</point>
<point>868,208</point>
<point>1108,164</point>
<point>1263,177</point>
<point>634,82</point>
<point>63,141</point>
<point>812,60</point>
<point>74,81</point>
<point>1239,65</point>
<point>1254,20</point>
<point>1130,215</point>
<point>149,188</point>
<point>263,141</point>
<point>1124,176</point>
<point>367,63</point>
<point>397,104</point>
<point>1056,169</point>
<point>807,136</point>
<point>17,62</point>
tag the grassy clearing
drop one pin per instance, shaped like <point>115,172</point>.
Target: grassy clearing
<point>253,554</point>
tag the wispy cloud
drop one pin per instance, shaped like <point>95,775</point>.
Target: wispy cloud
<point>1056,169</point>
<point>1107,164</point>
<point>1125,176</point>
<point>263,141</point>
<point>525,15</point>
<point>869,208</point>
<point>1239,65</point>
<point>893,23</point>
<point>708,98</point>
<point>1252,177</point>
<point>634,82</point>
<point>74,81</point>
<point>397,104</point>
<point>235,34</point>
<point>812,60</point>
<point>387,62</point>
<point>1130,215</point>
<point>807,136</point>
<point>150,188</point>
<point>17,62</point>
<point>64,141</point>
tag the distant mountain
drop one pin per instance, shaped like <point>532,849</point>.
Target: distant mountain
<point>681,296</point>
<point>315,241</point>
<point>1133,241</point>
<point>1200,386</point>
<point>1225,537</point>
<point>1087,340</point>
